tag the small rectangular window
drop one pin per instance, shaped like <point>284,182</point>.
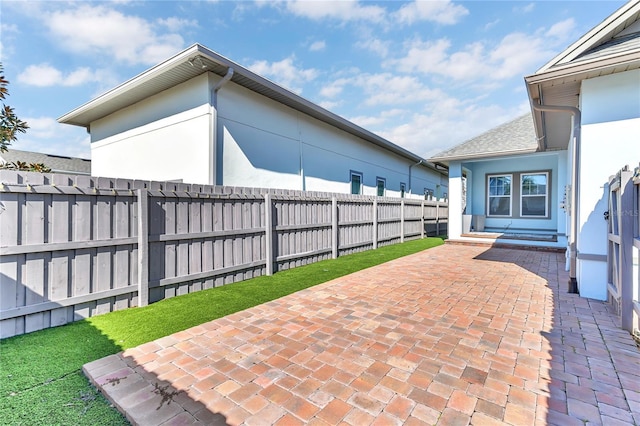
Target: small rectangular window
<point>403,189</point>
<point>533,194</point>
<point>356,183</point>
<point>380,186</point>
<point>499,195</point>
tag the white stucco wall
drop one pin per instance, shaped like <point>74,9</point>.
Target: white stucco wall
<point>610,140</point>
<point>164,137</point>
<point>264,143</point>
<point>259,143</point>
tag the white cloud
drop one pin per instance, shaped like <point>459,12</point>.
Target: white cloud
<point>391,89</point>
<point>334,88</point>
<point>317,46</point>
<point>44,75</point>
<point>330,105</point>
<point>429,132</point>
<point>514,55</point>
<point>378,120</point>
<point>491,24</point>
<point>439,11</point>
<point>344,10</point>
<point>284,72</point>
<point>380,47</point>
<point>177,24</point>
<point>99,30</point>
<point>562,30</point>
<point>46,135</point>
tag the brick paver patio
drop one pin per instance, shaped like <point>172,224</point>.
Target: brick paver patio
<point>454,335</point>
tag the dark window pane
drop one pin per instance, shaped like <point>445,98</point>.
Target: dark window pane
<point>356,184</point>
<point>499,206</point>
<point>534,206</point>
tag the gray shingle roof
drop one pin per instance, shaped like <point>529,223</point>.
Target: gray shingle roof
<point>515,137</point>
<point>57,163</point>
<point>616,45</point>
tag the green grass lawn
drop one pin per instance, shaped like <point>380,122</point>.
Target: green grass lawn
<point>41,380</point>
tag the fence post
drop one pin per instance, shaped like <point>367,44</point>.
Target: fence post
<point>437,218</point>
<point>334,227</point>
<point>626,247</point>
<point>422,219</point>
<point>268,229</point>
<point>375,224</point>
<point>402,221</point>
<point>143,247</point>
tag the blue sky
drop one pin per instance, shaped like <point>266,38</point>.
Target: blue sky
<point>425,75</point>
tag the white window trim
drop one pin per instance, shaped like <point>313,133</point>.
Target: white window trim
<point>353,173</point>
<point>546,195</point>
<point>489,196</point>
<point>384,186</point>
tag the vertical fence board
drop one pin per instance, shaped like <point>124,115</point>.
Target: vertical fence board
<point>103,273</point>
<point>35,267</point>
<point>182,247</point>
<point>143,251</point>
<point>60,261</point>
<point>296,228</point>
<point>81,282</point>
<point>121,274</point>
<point>218,245</point>
<point>10,215</point>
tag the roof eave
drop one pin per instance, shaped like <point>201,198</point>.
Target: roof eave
<point>588,40</point>
<point>74,117</point>
<point>79,116</point>
<point>577,68</point>
<point>483,155</point>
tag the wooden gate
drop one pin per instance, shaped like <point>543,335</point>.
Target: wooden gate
<point>622,230</point>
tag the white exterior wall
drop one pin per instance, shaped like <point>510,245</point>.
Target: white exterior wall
<point>259,143</point>
<point>610,140</point>
<point>454,224</point>
<point>164,137</point>
<point>264,143</point>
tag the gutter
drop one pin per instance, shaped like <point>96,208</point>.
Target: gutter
<point>575,166</point>
<point>213,128</point>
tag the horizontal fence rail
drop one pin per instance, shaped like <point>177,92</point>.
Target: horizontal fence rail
<point>72,247</point>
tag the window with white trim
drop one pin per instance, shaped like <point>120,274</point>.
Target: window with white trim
<point>499,195</point>
<point>356,183</point>
<point>534,194</point>
<point>381,183</point>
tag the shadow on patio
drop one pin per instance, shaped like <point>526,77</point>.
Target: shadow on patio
<point>452,335</point>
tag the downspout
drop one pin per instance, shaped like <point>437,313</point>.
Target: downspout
<point>410,167</point>
<point>575,165</point>
<point>213,137</point>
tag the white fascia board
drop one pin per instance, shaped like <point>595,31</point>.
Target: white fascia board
<point>484,155</point>
<point>576,68</point>
<point>72,117</point>
<point>594,36</point>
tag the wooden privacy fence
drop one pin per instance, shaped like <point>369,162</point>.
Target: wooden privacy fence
<point>623,240</point>
<point>76,246</point>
